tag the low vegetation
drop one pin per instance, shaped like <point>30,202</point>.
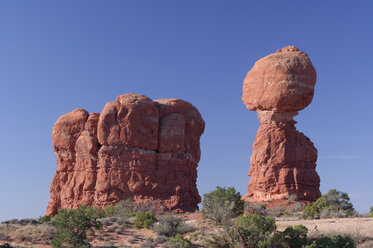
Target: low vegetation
<point>223,225</point>
<point>178,242</point>
<point>6,245</point>
<point>121,209</point>
<point>45,219</point>
<point>256,231</point>
<point>333,241</point>
<point>71,226</point>
<point>291,237</point>
<point>169,225</point>
<point>332,204</point>
<point>222,204</point>
<point>371,212</point>
<point>144,220</point>
<point>20,231</point>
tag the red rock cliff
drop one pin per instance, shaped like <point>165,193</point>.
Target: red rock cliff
<point>136,148</point>
<point>283,162</point>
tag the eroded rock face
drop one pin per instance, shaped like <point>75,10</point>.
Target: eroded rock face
<point>136,148</point>
<point>283,162</point>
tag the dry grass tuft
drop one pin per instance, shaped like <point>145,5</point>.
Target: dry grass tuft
<point>34,234</point>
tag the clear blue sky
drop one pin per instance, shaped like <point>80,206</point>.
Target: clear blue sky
<point>56,56</point>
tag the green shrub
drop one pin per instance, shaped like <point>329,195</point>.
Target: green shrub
<point>334,203</point>
<point>291,237</point>
<point>108,211</point>
<point>93,212</point>
<point>254,230</point>
<point>169,225</point>
<point>309,213</point>
<point>222,204</point>
<point>288,213</point>
<point>6,245</point>
<point>44,219</point>
<point>250,231</point>
<point>371,212</point>
<point>71,227</point>
<point>144,220</point>
<point>338,200</point>
<point>179,242</point>
<point>334,241</point>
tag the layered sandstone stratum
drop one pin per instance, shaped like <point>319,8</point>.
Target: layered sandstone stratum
<point>136,148</point>
<point>283,162</point>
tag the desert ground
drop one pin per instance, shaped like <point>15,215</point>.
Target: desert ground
<point>117,232</point>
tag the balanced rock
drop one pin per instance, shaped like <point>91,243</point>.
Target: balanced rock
<point>136,148</point>
<point>283,162</point>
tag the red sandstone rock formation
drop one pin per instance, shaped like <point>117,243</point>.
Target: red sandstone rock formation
<point>136,148</point>
<point>283,160</point>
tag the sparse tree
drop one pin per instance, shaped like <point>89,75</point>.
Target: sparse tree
<point>334,202</point>
<point>222,204</point>
<point>71,226</point>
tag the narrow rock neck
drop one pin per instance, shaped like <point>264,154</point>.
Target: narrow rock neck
<point>271,117</point>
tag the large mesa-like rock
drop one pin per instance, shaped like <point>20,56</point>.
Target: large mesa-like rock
<point>136,148</point>
<point>283,162</point>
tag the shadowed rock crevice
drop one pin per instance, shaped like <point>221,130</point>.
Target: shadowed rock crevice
<point>135,148</point>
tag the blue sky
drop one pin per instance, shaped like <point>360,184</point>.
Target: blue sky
<point>56,56</point>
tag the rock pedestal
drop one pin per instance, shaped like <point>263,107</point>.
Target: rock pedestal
<point>136,148</point>
<point>283,162</point>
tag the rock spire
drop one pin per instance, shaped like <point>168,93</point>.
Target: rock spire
<point>283,162</point>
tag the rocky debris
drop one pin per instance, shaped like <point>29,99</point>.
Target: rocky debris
<point>283,162</point>
<point>136,148</point>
